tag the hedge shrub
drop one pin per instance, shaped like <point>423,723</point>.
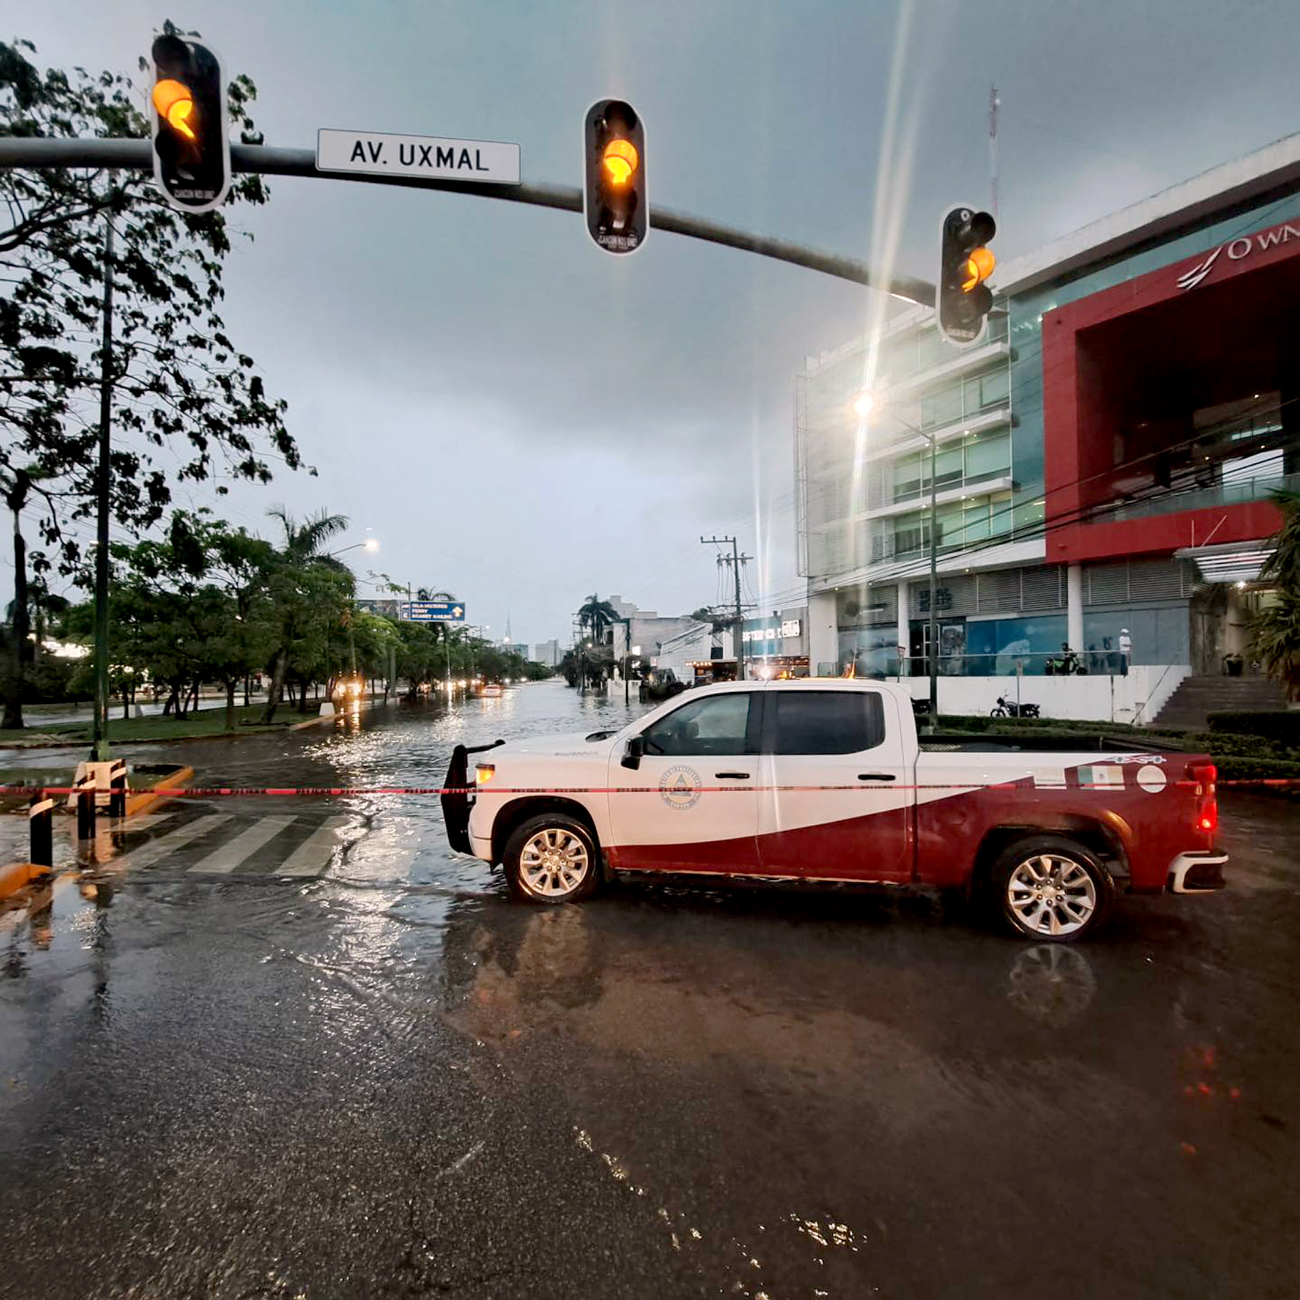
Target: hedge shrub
<point>1281,726</point>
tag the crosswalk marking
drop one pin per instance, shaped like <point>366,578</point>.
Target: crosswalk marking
<point>142,820</point>
<point>225,859</point>
<point>157,849</point>
<point>312,854</point>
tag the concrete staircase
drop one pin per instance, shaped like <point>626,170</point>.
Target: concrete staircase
<point>1195,697</point>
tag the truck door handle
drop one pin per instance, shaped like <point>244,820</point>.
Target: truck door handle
<point>875,776</point>
<point>732,776</point>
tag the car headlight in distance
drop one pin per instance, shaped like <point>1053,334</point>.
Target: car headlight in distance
<point>483,773</point>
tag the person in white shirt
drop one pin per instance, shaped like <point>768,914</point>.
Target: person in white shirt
<point>1125,651</point>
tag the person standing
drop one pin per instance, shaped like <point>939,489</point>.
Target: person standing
<point>1125,651</point>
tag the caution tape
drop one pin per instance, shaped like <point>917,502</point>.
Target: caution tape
<point>334,792</point>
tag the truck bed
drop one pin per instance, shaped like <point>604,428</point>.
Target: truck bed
<point>1026,742</point>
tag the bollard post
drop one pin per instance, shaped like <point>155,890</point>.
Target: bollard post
<point>86,812</point>
<point>117,790</point>
<point>40,821</point>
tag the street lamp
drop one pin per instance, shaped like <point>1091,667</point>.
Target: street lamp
<point>863,405</point>
<point>370,544</point>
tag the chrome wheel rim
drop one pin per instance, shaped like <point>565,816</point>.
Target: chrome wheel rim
<point>553,863</point>
<point>1051,895</point>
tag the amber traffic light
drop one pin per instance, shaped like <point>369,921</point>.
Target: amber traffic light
<point>614,195</point>
<point>963,297</point>
<point>191,146</point>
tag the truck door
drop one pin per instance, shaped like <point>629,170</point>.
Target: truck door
<point>692,803</point>
<point>837,797</point>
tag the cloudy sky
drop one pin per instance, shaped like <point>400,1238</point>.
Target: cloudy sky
<point>522,419</point>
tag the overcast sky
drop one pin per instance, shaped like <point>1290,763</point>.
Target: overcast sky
<point>522,419</point>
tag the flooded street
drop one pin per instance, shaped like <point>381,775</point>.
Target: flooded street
<point>373,1074</point>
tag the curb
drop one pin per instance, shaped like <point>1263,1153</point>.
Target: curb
<point>137,803</point>
<point>18,875</point>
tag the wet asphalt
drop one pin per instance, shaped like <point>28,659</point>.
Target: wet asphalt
<point>389,1079</point>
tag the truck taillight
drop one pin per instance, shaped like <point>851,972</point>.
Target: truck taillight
<point>1207,801</point>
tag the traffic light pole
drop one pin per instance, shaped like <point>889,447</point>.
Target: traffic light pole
<point>136,155</point>
<point>99,745</point>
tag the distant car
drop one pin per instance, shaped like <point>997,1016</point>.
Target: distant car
<point>660,684</point>
<point>828,780</point>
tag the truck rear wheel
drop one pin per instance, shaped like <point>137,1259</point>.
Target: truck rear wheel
<point>552,858</point>
<point>1052,889</point>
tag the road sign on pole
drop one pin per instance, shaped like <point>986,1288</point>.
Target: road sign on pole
<point>431,611</point>
<point>483,162</point>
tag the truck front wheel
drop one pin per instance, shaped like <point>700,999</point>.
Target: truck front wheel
<point>551,858</point>
<point>1048,887</point>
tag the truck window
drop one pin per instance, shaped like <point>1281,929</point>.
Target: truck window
<point>827,722</point>
<point>717,724</point>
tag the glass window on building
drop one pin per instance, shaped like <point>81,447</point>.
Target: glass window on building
<point>950,519</point>
<point>989,457</point>
<point>911,534</point>
<point>907,477</point>
<point>947,466</point>
<point>995,388</point>
<point>873,651</point>
<point>1160,635</point>
<point>932,350</point>
<point>996,645</point>
<point>902,418</point>
<point>1028,518</point>
<point>1001,514</point>
<point>901,359</point>
<point>941,407</point>
<point>975,523</point>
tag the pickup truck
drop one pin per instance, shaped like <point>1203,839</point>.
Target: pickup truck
<point>826,780</point>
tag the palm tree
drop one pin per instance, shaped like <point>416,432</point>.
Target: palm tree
<point>1275,629</point>
<point>304,546</point>
<point>598,616</point>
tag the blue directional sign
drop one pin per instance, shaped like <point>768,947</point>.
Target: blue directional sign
<point>431,611</point>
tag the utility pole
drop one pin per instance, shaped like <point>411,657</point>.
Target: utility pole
<point>735,560</point>
<point>994,104</point>
<point>99,747</point>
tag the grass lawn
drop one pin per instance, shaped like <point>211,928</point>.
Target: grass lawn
<point>204,722</point>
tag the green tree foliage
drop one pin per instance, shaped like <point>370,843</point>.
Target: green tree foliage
<point>309,590</point>
<point>189,608</point>
<point>186,403</point>
<point>1275,629</point>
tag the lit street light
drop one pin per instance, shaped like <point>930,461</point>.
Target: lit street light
<point>370,544</point>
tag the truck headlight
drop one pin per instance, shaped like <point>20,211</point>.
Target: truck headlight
<point>484,772</point>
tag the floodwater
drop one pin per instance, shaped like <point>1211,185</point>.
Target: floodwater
<point>380,1076</point>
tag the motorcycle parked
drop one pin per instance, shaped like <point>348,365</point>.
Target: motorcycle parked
<point>1010,709</point>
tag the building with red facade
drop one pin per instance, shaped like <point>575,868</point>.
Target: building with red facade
<point>1104,459</point>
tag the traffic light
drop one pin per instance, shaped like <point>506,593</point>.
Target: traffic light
<point>614,197</point>
<point>191,140</point>
<point>963,298</point>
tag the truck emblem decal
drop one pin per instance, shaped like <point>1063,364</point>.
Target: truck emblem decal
<point>1151,778</point>
<point>679,786</point>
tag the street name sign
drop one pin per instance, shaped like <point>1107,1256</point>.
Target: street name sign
<point>431,611</point>
<point>485,162</point>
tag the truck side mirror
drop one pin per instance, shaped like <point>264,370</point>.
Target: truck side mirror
<point>633,752</point>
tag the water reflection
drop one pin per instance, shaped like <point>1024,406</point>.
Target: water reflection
<point>1051,983</point>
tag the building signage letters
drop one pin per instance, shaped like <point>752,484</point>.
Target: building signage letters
<point>1237,249</point>
<point>789,628</point>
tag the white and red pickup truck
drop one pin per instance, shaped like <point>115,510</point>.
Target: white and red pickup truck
<point>823,780</point>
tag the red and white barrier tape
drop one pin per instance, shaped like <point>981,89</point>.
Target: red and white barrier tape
<point>281,792</point>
